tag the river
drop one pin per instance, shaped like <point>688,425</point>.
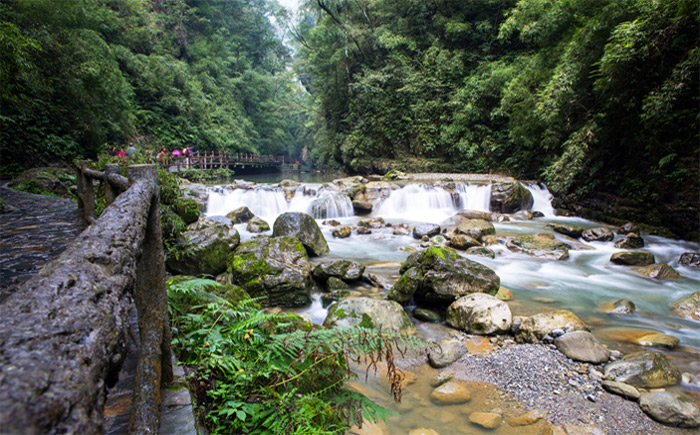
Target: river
<point>582,284</point>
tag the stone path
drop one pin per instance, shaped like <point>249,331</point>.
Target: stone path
<point>35,230</point>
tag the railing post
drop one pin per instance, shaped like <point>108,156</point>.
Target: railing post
<point>154,367</point>
<point>110,192</point>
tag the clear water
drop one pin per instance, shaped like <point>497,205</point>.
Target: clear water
<point>582,284</point>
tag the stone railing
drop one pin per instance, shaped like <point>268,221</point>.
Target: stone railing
<point>63,332</point>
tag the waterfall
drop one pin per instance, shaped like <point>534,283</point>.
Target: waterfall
<point>542,199</point>
<point>474,196</point>
<point>422,202</point>
<point>331,204</point>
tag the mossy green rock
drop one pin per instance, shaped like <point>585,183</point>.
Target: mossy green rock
<point>240,215</point>
<point>257,225</point>
<point>56,182</point>
<point>644,369</point>
<point>403,289</point>
<point>509,197</point>
<point>633,258</point>
<point>540,246</point>
<point>369,313</point>
<point>688,307</point>
<point>274,268</point>
<point>445,276</point>
<point>205,248</point>
<point>187,209</point>
<point>303,227</point>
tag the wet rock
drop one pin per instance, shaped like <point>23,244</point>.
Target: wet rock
<point>601,234</point>
<point>342,232</point>
<point>56,182</point>
<point>425,230</point>
<point>657,270</point>
<point>441,378</point>
<point>404,288</point>
<point>688,307</point>
<point>206,247</point>
<point>187,209</point>
<point>350,185</point>
<point>671,408</point>
<point>240,215</point>
<point>484,215</point>
<point>274,268</point>
<point>475,228</point>
<point>627,228</point>
<point>463,241</point>
<point>364,231</point>
<point>375,280</point>
<point>342,269</point>
<point>400,231</point>
<point>481,252</point>
<point>438,240</point>
<point>362,207</point>
<point>509,197</point>
<point>690,259</point>
<point>487,420</point>
<point>504,294</point>
<point>332,223</point>
<point>567,230</point>
<point>645,369</point>
<point>451,393</point>
<point>633,258</point>
<point>528,418</point>
<point>539,245</point>
<point>623,307</point>
<point>303,227</point>
<point>257,225</point>
<point>377,222</point>
<point>441,276</point>
<point>490,239</point>
<point>427,315</point>
<point>369,313</point>
<point>448,352</point>
<point>534,328</point>
<point>630,241</point>
<point>523,215</point>
<point>479,313</point>
<point>657,339</point>
<point>582,346</point>
<point>334,284</point>
<point>621,389</point>
<point>197,192</point>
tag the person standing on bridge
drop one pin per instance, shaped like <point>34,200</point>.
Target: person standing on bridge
<point>163,157</point>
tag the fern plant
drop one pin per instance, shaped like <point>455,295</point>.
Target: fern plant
<point>267,373</point>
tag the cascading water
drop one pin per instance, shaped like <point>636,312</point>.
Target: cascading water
<point>542,199</point>
<point>331,205</point>
<point>474,196</point>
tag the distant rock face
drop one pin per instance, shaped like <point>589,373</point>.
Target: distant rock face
<point>439,276</point>
<point>369,313</point>
<point>303,227</point>
<point>644,369</point>
<point>536,327</point>
<point>275,268</point>
<point>671,408</point>
<point>479,313</point>
<point>539,245</point>
<point>509,197</point>
<point>208,244</point>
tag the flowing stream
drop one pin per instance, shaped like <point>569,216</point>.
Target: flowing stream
<point>582,284</point>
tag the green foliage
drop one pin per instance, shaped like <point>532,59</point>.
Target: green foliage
<point>259,372</point>
<point>209,175</point>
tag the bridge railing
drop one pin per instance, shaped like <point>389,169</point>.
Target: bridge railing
<point>220,159</point>
<point>63,332</point>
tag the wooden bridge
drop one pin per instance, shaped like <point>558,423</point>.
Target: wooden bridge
<point>63,331</point>
<point>219,159</point>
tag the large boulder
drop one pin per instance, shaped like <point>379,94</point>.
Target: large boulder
<point>534,328</point>
<point>688,307</point>
<point>342,269</point>
<point>303,227</point>
<point>274,268</point>
<point>582,346</point>
<point>633,258</point>
<point>539,245</point>
<point>479,313</point>
<point>509,197</point>
<point>369,313</point>
<point>645,369</point>
<point>187,209</point>
<point>198,192</point>
<point>601,234</point>
<point>240,215</point>
<point>475,228</point>
<point>204,248</point>
<point>462,241</point>
<point>671,408</point>
<point>441,276</point>
<point>429,230</point>
<point>350,185</point>
<point>657,270</point>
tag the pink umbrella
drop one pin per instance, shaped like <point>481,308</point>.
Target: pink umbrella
<point>176,152</point>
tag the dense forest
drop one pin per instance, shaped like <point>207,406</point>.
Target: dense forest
<point>597,98</point>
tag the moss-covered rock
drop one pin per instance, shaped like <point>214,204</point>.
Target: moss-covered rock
<point>539,245</point>
<point>509,197</point>
<point>369,313</point>
<point>187,209</point>
<point>644,369</point>
<point>475,228</point>
<point>204,248</point>
<point>240,215</point>
<point>342,269</point>
<point>630,241</point>
<point>567,230</point>
<point>303,227</point>
<point>257,225</point>
<point>274,268</point>
<point>633,258</point>
<point>56,182</point>
<point>403,289</point>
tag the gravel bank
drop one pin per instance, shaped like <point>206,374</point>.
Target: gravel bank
<point>542,378</point>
